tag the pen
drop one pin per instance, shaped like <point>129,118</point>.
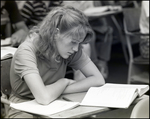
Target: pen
<point>66,99</point>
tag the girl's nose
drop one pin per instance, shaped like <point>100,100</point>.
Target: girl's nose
<point>75,48</point>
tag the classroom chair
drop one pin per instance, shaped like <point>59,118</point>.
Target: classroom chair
<point>141,109</point>
<point>5,84</point>
<point>138,71</point>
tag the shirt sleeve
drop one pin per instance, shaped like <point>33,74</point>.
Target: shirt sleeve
<point>25,62</point>
<point>27,10</point>
<point>13,11</point>
<point>79,60</point>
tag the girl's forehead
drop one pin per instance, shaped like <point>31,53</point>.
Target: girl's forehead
<point>76,34</point>
<point>78,39</point>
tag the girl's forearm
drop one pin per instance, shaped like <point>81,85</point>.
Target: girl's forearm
<point>83,85</point>
<point>56,89</point>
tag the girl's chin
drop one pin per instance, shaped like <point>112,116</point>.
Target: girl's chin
<point>65,57</point>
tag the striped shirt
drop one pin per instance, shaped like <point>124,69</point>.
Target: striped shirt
<point>33,12</point>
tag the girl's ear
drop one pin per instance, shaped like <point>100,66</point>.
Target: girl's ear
<point>57,29</point>
<point>56,33</point>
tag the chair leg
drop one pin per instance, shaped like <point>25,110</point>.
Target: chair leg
<point>125,53</point>
<point>129,73</point>
<point>121,38</point>
<point>6,103</point>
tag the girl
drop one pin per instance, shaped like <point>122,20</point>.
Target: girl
<point>39,65</point>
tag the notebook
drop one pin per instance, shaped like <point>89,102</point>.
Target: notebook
<point>46,110</point>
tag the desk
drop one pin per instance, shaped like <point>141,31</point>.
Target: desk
<point>87,111</point>
<point>5,69</point>
<point>103,14</point>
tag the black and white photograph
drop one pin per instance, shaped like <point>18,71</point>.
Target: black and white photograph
<point>74,59</point>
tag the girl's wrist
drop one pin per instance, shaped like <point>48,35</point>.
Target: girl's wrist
<point>65,81</point>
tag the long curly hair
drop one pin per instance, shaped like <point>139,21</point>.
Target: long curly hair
<point>69,21</point>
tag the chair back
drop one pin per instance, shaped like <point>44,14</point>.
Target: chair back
<point>5,76</point>
<point>141,109</point>
<point>131,19</point>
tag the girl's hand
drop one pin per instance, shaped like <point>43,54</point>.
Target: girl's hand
<point>71,81</point>
<point>68,81</point>
<point>18,37</point>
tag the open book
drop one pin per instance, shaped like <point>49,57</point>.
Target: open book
<point>7,52</point>
<point>113,95</point>
<point>46,110</point>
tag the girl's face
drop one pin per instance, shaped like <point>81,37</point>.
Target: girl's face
<point>67,46</point>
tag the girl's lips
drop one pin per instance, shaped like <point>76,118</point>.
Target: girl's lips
<point>70,53</point>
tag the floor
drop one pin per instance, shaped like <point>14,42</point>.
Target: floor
<point>118,68</point>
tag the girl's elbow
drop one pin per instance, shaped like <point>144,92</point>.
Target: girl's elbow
<point>103,81</point>
<point>100,81</point>
<point>44,100</point>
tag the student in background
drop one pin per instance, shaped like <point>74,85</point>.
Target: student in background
<point>19,30</point>
<point>144,27</point>
<point>39,64</point>
<point>34,12</point>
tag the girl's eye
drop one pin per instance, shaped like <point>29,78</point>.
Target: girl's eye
<point>74,42</point>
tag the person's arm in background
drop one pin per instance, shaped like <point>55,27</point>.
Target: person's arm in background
<point>21,30</point>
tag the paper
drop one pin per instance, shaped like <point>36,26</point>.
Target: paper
<point>95,10</point>
<point>6,42</point>
<point>47,110</point>
<point>7,52</point>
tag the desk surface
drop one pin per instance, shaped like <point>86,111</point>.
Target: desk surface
<point>83,111</point>
<point>80,111</point>
<point>97,12</point>
<point>102,14</point>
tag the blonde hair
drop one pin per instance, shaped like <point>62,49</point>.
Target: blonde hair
<point>69,21</point>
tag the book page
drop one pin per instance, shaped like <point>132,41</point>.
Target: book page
<point>141,88</point>
<point>7,52</point>
<point>52,108</point>
<point>109,97</point>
